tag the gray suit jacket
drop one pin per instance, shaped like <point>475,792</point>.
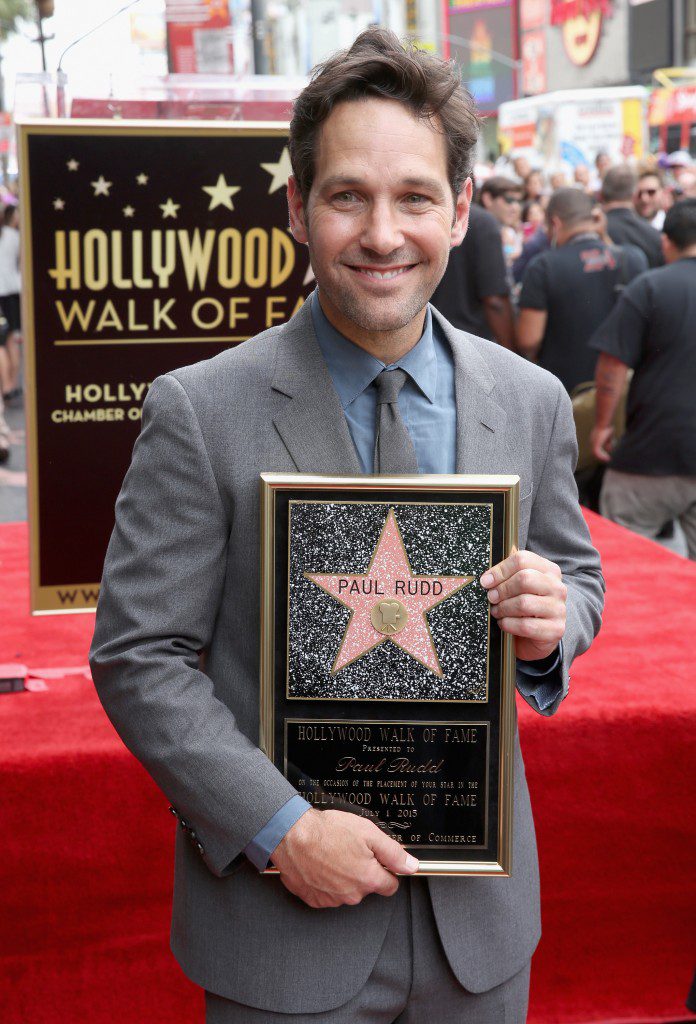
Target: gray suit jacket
<point>175,655</point>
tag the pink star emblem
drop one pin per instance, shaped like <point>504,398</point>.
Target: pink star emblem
<point>388,602</point>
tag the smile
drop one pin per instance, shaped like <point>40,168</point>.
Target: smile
<point>381,275</point>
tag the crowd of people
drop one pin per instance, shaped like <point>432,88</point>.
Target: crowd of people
<point>594,279</point>
<point>10,319</point>
<point>549,268</point>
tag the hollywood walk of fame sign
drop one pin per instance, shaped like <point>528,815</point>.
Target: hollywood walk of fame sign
<point>387,688</point>
<point>145,246</point>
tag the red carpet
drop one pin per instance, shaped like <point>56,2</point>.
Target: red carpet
<point>85,870</point>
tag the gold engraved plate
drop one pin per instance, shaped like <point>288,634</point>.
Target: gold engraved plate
<point>389,617</point>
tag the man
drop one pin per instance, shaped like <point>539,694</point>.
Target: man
<point>602,164</point>
<point>380,143</point>
<point>474,293</point>
<point>502,197</point>
<point>623,224</point>
<point>581,177</point>
<point>649,197</point>
<point>568,290</point>
<point>652,470</point>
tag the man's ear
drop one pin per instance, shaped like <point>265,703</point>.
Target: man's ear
<point>461,214</point>
<point>297,211</point>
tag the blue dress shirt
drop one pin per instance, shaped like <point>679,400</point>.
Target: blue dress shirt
<point>428,406</point>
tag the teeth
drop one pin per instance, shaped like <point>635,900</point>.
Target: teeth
<point>386,276</point>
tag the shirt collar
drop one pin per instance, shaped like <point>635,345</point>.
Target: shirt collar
<point>353,369</point>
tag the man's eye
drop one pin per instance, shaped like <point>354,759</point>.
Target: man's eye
<point>345,197</point>
<point>415,199</point>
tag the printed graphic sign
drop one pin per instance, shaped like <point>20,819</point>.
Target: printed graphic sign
<point>146,247</point>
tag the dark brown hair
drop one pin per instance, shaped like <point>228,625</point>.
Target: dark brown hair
<point>378,65</point>
<point>498,185</point>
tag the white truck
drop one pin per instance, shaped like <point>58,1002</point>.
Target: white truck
<point>559,130</point>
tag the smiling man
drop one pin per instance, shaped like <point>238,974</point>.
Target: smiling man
<point>367,377</point>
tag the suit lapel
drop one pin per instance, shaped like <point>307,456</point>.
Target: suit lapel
<point>310,419</point>
<point>480,420</point>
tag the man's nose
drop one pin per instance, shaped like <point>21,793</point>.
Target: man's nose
<point>382,231</point>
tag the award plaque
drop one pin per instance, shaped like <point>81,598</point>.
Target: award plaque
<point>387,688</point>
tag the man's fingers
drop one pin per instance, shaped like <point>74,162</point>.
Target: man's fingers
<point>390,855</point>
<point>515,563</point>
<point>528,581</point>
<point>540,630</point>
<point>526,605</point>
<point>386,884</point>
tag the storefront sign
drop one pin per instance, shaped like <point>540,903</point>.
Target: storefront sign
<point>581,24</point>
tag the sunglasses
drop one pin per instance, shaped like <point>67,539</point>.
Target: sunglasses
<point>510,199</point>
<point>647,191</point>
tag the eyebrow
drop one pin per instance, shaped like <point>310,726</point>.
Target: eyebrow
<point>346,181</point>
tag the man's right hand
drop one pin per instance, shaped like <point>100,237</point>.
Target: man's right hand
<point>332,858</point>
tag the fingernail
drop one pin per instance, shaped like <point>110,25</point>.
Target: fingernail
<point>493,595</point>
<point>487,579</point>
<point>411,863</point>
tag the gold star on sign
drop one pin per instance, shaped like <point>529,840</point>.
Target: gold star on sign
<point>142,179</point>
<point>58,204</point>
<point>169,208</point>
<point>280,171</point>
<point>72,164</point>
<point>128,211</point>
<point>221,193</point>
<point>101,186</point>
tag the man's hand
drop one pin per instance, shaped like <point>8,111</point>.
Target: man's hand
<point>332,858</point>
<point>528,598</point>
<point>601,440</point>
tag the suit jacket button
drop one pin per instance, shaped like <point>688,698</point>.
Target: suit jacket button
<point>199,847</point>
<point>173,810</point>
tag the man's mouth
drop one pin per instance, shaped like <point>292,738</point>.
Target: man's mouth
<point>381,275</point>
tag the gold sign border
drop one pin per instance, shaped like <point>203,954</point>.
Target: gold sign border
<point>45,600</point>
<point>274,483</point>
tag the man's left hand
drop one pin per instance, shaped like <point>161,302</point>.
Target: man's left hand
<point>528,599</point>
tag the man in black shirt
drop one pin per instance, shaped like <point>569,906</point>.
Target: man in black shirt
<point>623,223</point>
<point>474,293</point>
<point>652,474</point>
<point>568,290</point>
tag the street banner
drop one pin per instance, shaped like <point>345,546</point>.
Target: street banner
<point>145,246</point>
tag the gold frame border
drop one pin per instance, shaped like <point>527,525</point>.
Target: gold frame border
<point>270,485</point>
<point>44,600</point>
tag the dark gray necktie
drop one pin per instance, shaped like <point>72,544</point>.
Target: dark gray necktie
<point>394,451</point>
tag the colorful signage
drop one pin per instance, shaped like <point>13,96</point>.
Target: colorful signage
<point>533,52</point>
<point>197,38</point>
<point>581,25</point>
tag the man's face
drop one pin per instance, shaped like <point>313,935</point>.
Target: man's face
<point>582,175</point>
<point>506,208</point>
<point>602,163</point>
<point>380,218</point>
<point>647,199</point>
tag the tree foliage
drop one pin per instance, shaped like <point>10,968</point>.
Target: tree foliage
<point>12,11</point>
